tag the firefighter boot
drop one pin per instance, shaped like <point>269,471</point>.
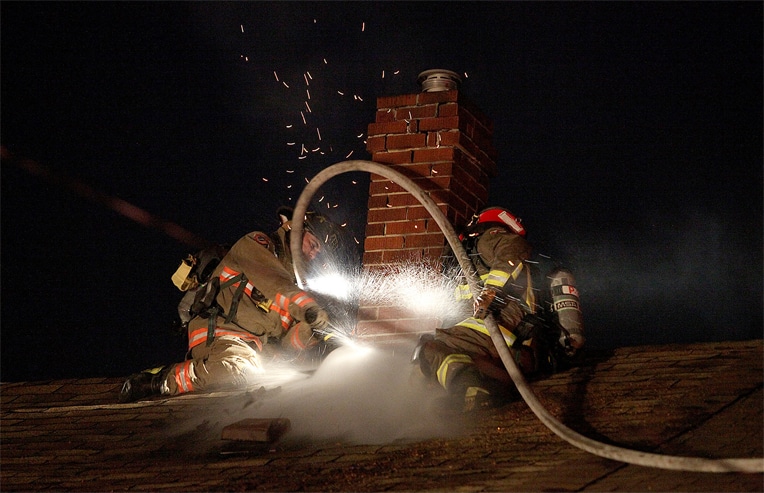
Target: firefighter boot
<point>143,384</point>
<point>470,388</point>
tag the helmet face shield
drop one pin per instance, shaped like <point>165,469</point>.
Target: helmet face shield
<point>497,215</point>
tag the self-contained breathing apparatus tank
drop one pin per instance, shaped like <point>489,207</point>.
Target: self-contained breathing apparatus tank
<point>567,308</point>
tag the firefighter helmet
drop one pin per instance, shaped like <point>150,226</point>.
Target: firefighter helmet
<point>495,216</point>
<point>326,231</point>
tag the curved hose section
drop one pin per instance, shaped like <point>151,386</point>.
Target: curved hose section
<point>679,463</point>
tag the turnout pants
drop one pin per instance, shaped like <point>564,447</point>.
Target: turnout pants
<point>458,350</point>
<point>228,363</point>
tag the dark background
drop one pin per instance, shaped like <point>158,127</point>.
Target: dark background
<point>629,137</point>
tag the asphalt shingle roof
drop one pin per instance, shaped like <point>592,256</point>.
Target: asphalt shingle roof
<point>701,400</point>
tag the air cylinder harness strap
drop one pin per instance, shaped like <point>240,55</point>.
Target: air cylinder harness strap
<point>215,310</point>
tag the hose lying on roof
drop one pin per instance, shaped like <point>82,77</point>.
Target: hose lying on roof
<point>751,465</point>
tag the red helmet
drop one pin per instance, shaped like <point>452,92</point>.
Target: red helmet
<point>499,216</point>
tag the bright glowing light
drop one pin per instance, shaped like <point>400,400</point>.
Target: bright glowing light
<point>417,288</point>
<point>346,340</point>
<point>274,373</point>
<point>332,284</point>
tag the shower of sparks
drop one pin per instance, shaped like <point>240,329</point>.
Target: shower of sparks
<point>325,91</point>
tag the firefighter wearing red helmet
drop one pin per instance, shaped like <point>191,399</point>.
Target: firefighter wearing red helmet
<point>463,358</point>
<point>262,315</point>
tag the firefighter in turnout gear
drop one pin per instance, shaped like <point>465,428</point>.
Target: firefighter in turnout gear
<point>261,316</point>
<point>463,358</point>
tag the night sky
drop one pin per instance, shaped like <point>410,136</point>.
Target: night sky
<point>629,139</point>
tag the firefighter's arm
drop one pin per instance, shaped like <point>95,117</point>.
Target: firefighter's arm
<point>504,253</point>
<point>276,283</point>
<point>300,336</point>
<point>304,308</point>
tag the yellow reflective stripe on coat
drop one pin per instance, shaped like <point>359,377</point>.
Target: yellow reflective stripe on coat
<point>479,325</point>
<point>497,278</point>
<point>462,359</point>
<point>462,292</point>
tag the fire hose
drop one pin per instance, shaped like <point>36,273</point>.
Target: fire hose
<point>660,461</point>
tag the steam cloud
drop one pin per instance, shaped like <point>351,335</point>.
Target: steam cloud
<point>358,395</point>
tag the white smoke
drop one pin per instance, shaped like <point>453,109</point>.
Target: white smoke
<point>361,395</point>
<point>358,395</point>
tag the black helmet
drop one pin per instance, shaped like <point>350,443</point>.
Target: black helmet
<point>328,233</point>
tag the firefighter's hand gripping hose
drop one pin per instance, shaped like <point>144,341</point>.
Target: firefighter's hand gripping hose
<point>679,463</point>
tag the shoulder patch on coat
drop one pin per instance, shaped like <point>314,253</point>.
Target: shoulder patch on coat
<point>261,239</point>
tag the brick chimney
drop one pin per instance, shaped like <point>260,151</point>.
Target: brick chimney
<point>442,142</point>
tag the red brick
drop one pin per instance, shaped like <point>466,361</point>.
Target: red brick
<point>375,327</point>
<point>388,214</point>
<point>375,229</point>
<point>444,123</point>
<point>401,256</point>
<point>384,187</point>
<point>433,183</point>
<point>448,109</point>
<point>376,143</point>
<point>378,178</point>
<point>398,157</point>
<point>402,199</point>
<point>367,312</point>
<point>435,253</point>
<point>467,123</point>
<point>416,112</point>
<point>405,141</point>
<point>406,227</point>
<point>466,105</point>
<point>384,128</point>
<point>447,138</point>
<point>413,171</point>
<point>442,169</point>
<point>372,258</point>
<point>438,97</point>
<point>431,155</point>
<point>419,212</point>
<point>385,115</point>
<point>397,101</point>
<point>424,240</point>
<point>444,196</point>
<point>383,243</point>
<point>378,201</point>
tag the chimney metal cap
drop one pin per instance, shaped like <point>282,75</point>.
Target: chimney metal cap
<point>438,80</point>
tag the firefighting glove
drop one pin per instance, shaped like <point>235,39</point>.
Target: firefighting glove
<point>482,306</point>
<point>317,318</point>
